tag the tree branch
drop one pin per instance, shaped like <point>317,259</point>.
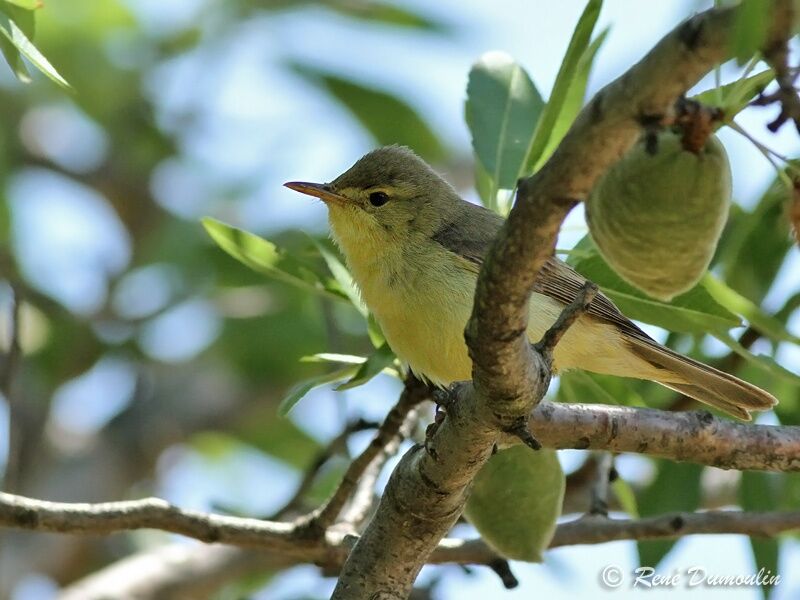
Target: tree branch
<point>777,56</point>
<point>148,513</point>
<point>385,441</point>
<point>598,497</point>
<point>601,134</point>
<point>294,504</point>
<point>280,544</point>
<point>695,436</point>
<point>698,437</point>
<point>599,530</point>
<point>177,571</point>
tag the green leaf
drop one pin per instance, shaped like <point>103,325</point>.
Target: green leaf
<point>278,437</point>
<point>762,322</point>
<point>387,14</point>
<point>750,28</point>
<point>14,60</point>
<point>734,97</point>
<point>215,446</point>
<point>381,359</point>
<point>326,481</point>
<point>265,257</point>
<point>331,357</point>
<point>762,361</point>
<point>301,389</point>
<point>566,74</point>
<point>27,4</point>
<point>675,488</point>
<point>695,311</point>
<point>515,501</point>
<point>342,277</point>
<point>14,32</point>
<point>24,19</point>
<point>374,331</point>
<point>502,109</point>
<point>387,118</point>
<point>754,244</point>
<point>758,492</point>
<point>573,101</point>
<point>484,185</point>
<point>626,496</point>
<point>582,386</point>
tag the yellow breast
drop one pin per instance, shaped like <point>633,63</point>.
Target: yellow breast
<point>422,295</point>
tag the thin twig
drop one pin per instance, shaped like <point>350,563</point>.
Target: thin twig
<point>414,392</point>
<point>335,446</point>
<point>776,56</point>
<point>502,569</point>
<point>598,501</point>
<point>362,501</point>
<point>7,389</point>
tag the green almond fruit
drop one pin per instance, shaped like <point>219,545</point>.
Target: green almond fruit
<point>515,501</point>
<point>657,217</point>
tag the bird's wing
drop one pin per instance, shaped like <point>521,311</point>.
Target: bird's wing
<point>470,238</point>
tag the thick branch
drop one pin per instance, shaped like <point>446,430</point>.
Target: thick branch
<point>420,504</point>
<point>695,436</point>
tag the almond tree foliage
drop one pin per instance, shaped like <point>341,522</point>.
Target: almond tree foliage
<point>284,317</point>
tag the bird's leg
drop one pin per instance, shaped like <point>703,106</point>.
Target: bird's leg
<point>442,398</point>
<point>544,348</point>
<point>568,316</point>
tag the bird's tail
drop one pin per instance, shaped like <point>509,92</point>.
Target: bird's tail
<point>701,382</point>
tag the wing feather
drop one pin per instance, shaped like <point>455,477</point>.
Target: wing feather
<point>470,236</point>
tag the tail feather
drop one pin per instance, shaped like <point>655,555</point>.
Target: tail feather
<point>703,395</point>
<point>702,382</point>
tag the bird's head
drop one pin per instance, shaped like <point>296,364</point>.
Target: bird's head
<point>387,199</point>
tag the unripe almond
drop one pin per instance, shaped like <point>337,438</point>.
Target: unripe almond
<point>657,216</point>
<point>515,501</point>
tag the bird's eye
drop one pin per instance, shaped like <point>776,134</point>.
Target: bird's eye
<point>378,198</point>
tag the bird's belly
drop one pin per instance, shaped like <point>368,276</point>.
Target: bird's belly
<point>423,313</point>
<point>428,334</point>
<point>426,330</point>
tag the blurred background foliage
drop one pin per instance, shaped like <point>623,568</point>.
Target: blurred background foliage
<point>153,363</point>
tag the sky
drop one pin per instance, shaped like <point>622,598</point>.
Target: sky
<point>256,117</point>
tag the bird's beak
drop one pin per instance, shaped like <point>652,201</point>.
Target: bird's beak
<point>318,190</point>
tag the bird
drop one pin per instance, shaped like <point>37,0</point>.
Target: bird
<point>414,248</point>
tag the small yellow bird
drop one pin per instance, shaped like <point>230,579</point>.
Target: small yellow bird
<point>414,247</point>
